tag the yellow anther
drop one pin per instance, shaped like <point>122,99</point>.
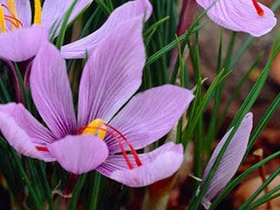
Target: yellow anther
<point>37,12</point>
<point>96,127</point>
<point>2,20</point>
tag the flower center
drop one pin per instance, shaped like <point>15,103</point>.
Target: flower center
<point>96,127</point>
<point>258,8</point>
<point>100,129</point>
<point>8,14</point>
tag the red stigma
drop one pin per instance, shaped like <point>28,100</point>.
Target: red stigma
<point>118,140</point>
<point>258,8</point>
<point>12,18</point>
<point>42,149</point>
<point>134,153</point>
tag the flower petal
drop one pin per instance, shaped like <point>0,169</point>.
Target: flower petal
<point>230,160</point>
<point>112,74</point>
<point>240,15</point>
<point>126,12</point>
<point>150,115</point>
<point>79,154</point>
<point>15,49</point>
<point>53,12</point>
<point>51,91</point>
<point>24,12</point>
<point>158,164</point>
<point>24,132</point>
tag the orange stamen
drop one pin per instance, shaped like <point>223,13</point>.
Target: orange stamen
<point>112,134</point>
<point>13,17</point>
<point>2,20</point>
<point>13,21</point>
<point>37,12</point>
<point>12,8</point>
<point>258,8</point>
<point>130,165</point>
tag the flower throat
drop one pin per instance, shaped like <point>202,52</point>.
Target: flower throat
<point>8,14</point>
<point>100,129</point>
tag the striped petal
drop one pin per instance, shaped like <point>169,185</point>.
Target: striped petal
<point>24,12</point>
<point>53,12</point>
<point>156,165</point>
<point>230,160</point>
<point>150,115</point>
<point>112,74</point>
<point>79,154</point>
<point>51,91</point>
<point>24,132</point>
<point>240,15</point>
<point>22,44</point>
<point>126,12</point>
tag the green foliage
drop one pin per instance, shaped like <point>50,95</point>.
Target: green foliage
<point>38,185</point>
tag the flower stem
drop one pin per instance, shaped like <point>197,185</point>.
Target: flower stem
<point>95,192</point>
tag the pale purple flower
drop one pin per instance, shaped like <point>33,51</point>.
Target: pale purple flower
<point>21,46</point>
<point>108,122</point>
<point>50,18</point>
<point>127,11</point>
<point>240,15</point>
<point>20,40</point>
<point>17,39</point>
<point>230,161</point>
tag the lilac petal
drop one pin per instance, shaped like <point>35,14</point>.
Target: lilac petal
<point>157,165</point>
<point>240,15</point>
<point>22,44</point>
<point>112,74</point>
<point>24,12</point>
<point>51,91</point>
<point>150,115</point>
<point>230,160</point>
<point>126,12</point>
<point>79,154</point>
<point>53,12</point>
<point>24,132</point>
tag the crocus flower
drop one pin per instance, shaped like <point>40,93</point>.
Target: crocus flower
<point>240,15</point>
<point>123,13</point>
<point>16,15</point>
<point>15,22</point>
<point>20,39</point>
<point>104,131</point>
<point>21,46</point>
<point>230,161</point>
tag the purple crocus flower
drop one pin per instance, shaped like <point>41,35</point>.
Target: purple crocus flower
<point>240,15</point>
<point>15,22</point>
<point>21,46</point>
<point>104,131</point>
<point>20,39</point>
<point>17,14</point>
<point>123,13</point>
<point>24,38</point>
<point>230,161</point>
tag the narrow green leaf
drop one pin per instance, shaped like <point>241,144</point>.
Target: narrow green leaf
<point>60,38</point>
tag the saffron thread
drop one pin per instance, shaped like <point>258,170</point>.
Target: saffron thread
<point>258,8</point>
<point>130,165</point>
